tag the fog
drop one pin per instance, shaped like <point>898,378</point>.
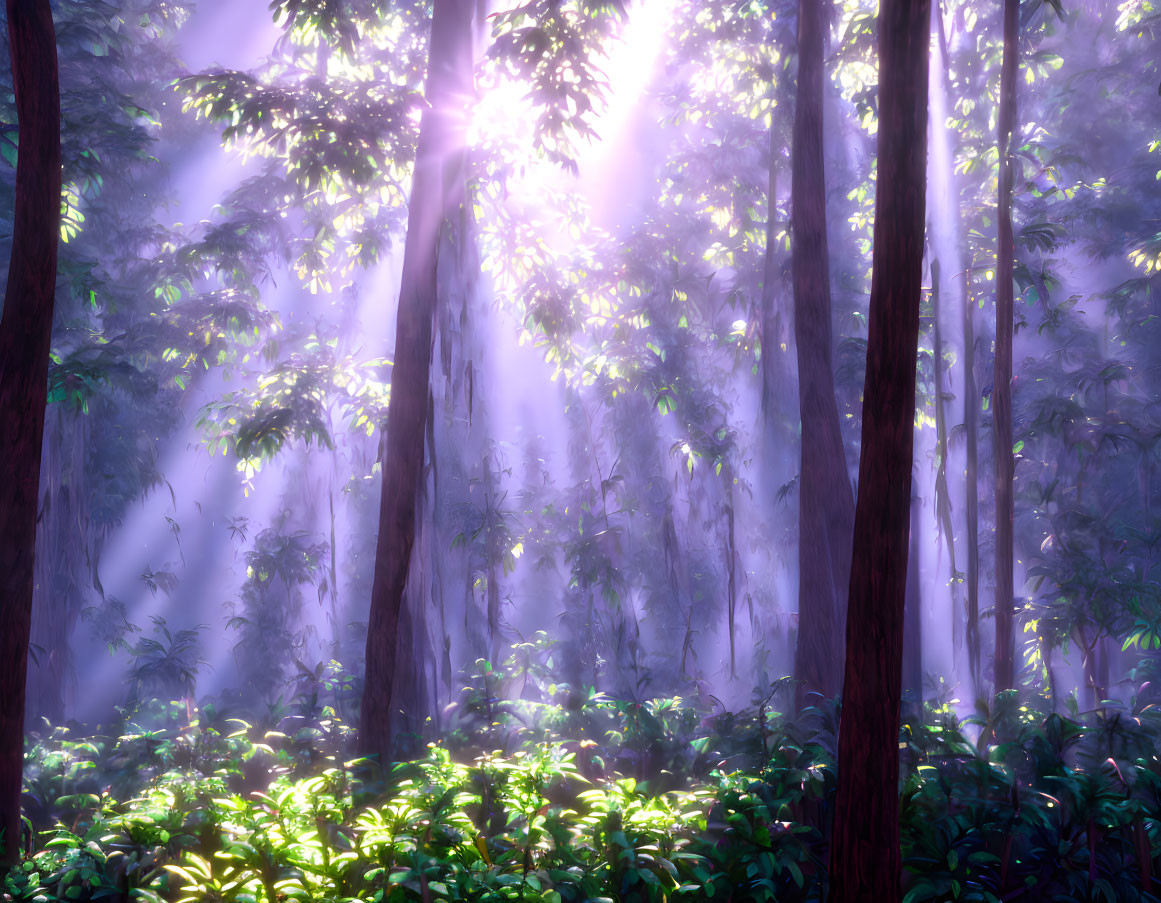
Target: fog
<point>612,443</point>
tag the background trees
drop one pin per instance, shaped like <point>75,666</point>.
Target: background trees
<point>826,512</point>
<point>319,210</point>
<point>608,445</point>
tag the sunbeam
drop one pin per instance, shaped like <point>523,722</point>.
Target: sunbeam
<point>580,450</point>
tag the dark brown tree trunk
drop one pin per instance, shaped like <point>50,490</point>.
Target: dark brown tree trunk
<point>864,856</point>
<point>1004,673</point>
<point>825,505</point>
<point>25,335</point>
<point>440,133</point>
<point>912,617</point>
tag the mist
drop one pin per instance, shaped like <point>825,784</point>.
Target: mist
<point>442,377</point>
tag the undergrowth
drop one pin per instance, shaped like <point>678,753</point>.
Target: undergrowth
<point>567,795</point>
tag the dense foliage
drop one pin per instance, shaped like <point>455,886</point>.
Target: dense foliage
<point>544,791</point>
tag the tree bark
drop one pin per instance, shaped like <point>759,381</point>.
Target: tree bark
<point>494,553</point>
<point>865,856</point>
<point>971,416</point>
<point>913,616</point>
<point>440,131</point>
<point>943,506</point>
<point>1004,668</point>
<point>62,547</point>
<point>825,505</point>
<point>25,336</point>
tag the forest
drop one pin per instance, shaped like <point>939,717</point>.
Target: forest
<point>580,451</point>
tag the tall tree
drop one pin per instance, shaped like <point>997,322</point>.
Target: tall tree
<point>1005,464</point>
<point>865,857</point>
<point>25,334</point>
<point>971,416</point>
<point>825,506</point>
<point>946,211</point>
<point>448,88</point>
<point>943,133</point>
<point>942,499</point>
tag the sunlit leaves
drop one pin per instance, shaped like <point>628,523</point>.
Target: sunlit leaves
<point>858,71</point>
<point>338,130</point>
<point>1142,15</point>
<point>332,132</point>
<point>71,218</point>
<point>336,22</point>
<point>1147,255</point>
<point>554,48</point>
<point>733,56</point>
<point>301,398</point>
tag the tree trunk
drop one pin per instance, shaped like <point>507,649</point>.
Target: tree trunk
<point>825,505</point>
<point>1004,673</point>
<point>971,416</point>
<point>62,547</point>
<point>448,87</point>
<point>943,506</point>
<point>494,554</point>
<point>864,856</point>
<point>25,335</point>
<point>971,400</point>
<point>777,378</point>
<point>913,616</point>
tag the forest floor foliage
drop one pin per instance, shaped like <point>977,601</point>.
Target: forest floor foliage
<point>571,796</point>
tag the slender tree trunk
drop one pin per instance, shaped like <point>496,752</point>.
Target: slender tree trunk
<point>25,335</point>
<point>971,401</point>
<point>825,505</point>
<point>494,553</point>
<point>865,856</point>
<point>731,576</point>
<point>779,399</point>
<point>63,556</point>
<point>439,132</point>
<point>943,506</point>
<point>1004,675</point>
<point>971,416</point>
<point>777,378</point>
<point>1104,667</point>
